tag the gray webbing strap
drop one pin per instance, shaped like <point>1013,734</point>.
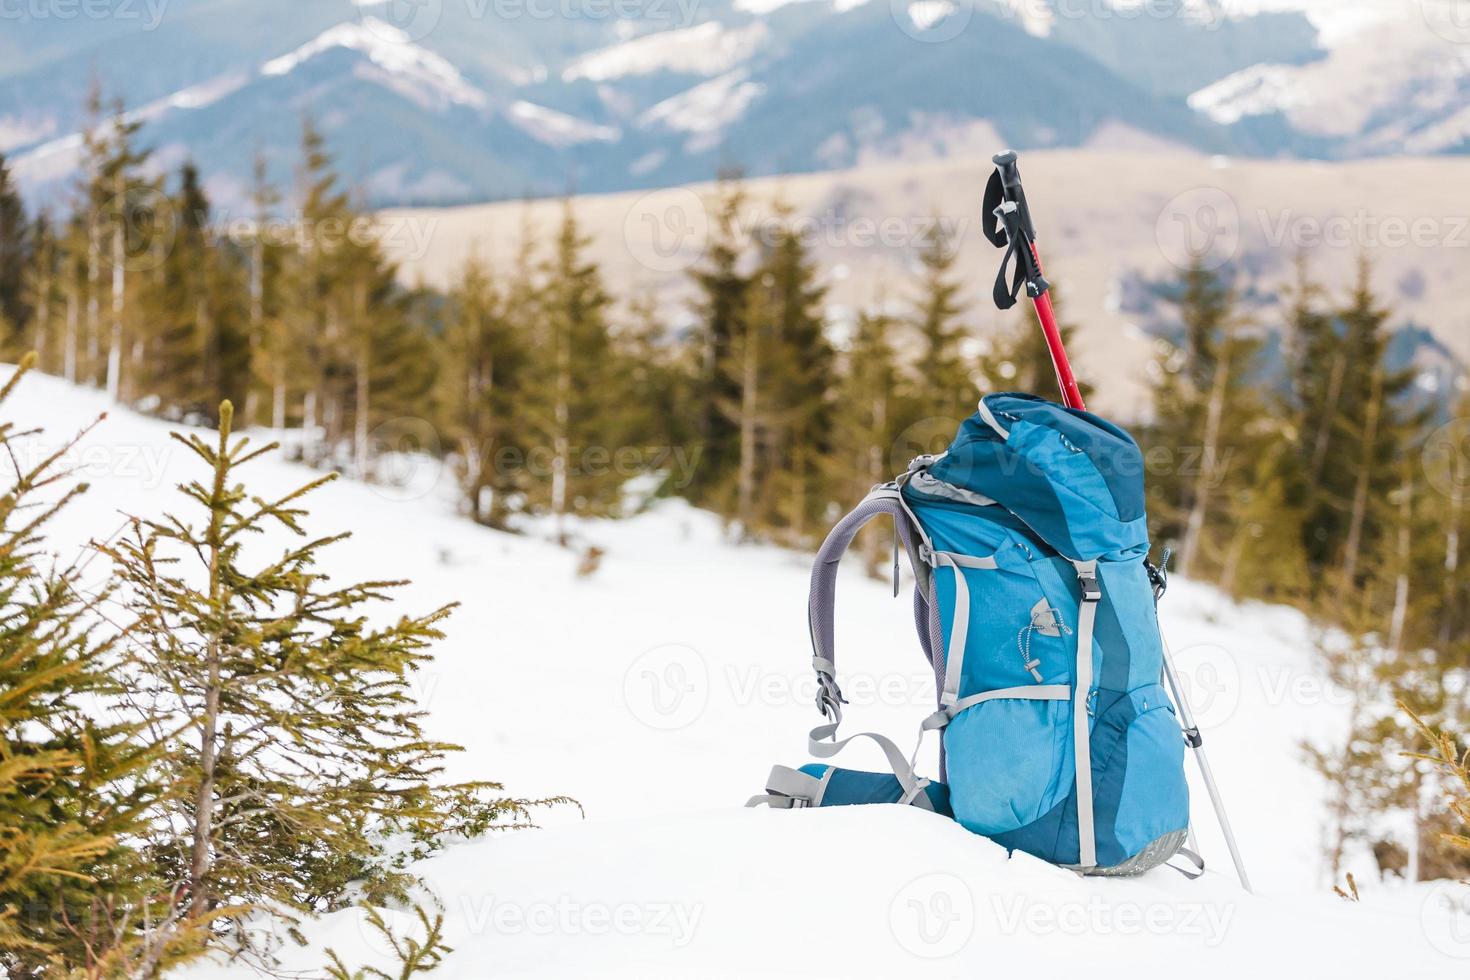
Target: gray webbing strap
<point>1198,871</point>
<point>1081,692</point>
<point>789,789</point>
<point>822,743</point>
<point>1038,692</point>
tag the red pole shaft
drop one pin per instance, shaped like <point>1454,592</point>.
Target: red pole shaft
<point>1071,392</point>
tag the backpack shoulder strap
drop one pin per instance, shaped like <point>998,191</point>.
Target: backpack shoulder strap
<point>821,602</point>
<point>823,742</point>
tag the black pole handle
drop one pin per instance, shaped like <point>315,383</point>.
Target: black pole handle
<point>1010,182</point>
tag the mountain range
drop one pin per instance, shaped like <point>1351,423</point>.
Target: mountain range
<point>450,101</point>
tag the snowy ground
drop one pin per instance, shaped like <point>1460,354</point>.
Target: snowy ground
<point>658,693</point>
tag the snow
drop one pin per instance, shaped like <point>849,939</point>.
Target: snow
<point>706,108</point>
<point>1254,91</point>
<point>705,49</point>
<point>659,691</point>
<point>557,128</point>
<point>392,50</point>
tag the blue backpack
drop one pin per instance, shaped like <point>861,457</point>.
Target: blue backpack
<point>1035,605</point>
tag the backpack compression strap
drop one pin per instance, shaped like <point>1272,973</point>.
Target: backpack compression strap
<point>823,742</point>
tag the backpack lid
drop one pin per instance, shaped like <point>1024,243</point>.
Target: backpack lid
<point>1075,479</point>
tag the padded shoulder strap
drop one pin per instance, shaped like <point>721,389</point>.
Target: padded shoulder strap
<point>886,499</point>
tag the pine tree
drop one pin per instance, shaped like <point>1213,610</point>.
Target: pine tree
<point>1024,359</point>
<point>800,379</point>
<point>722,309</point>
<point>484,360</point>
<point>300,750</point>
<point>74,791</point>
<point>1210,418</point>
<point>864,433</point>
<point>15,256</point>
<point>43,293</point>
<point>574,349</point>
<point>943,386</point>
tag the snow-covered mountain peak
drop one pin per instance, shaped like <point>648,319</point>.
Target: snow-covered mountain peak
<point>392,51</point>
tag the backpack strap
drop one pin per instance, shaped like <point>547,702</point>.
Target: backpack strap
<point>821,602</point>
<point>1092,596</point>
<point>822,741</point>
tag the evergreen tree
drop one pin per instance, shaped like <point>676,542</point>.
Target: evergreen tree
<point>43,293</point>
<point>73,790</point>
<point>571,405</point>
<point>300,750</point>
<point>864,432</point>
<point>1024,359</point>
<point>484,362</point>
<point>15,255</point>
<point>722,309</point>
<point>1209,417</point>
<point>943,386</point>
<point>801,375</point>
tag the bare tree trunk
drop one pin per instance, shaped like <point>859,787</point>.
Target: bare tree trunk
<point>561,438</point>
<point>278,405</point>
<point>1194,529</point>
<point>749,382</point>
<point>1352,551</point>
<point>69,341</point>
<point>201,858</point>
<point>257,318</point>
<point>94,302</point>
<point>119,285</point>
<point>1449,609</point>
<point>1324,431</point>
<point>1399,621</point>
<point>360,415</point>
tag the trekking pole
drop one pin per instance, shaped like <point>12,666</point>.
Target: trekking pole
<point>1197,742</point>
<point>1007,224</point>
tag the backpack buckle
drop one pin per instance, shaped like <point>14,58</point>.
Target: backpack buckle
<point>1091,587</point>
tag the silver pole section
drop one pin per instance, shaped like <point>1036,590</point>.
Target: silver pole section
<point>1192,735</point>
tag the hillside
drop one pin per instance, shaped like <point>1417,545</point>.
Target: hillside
<point>1111,224</point>
<point>659,691</point>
